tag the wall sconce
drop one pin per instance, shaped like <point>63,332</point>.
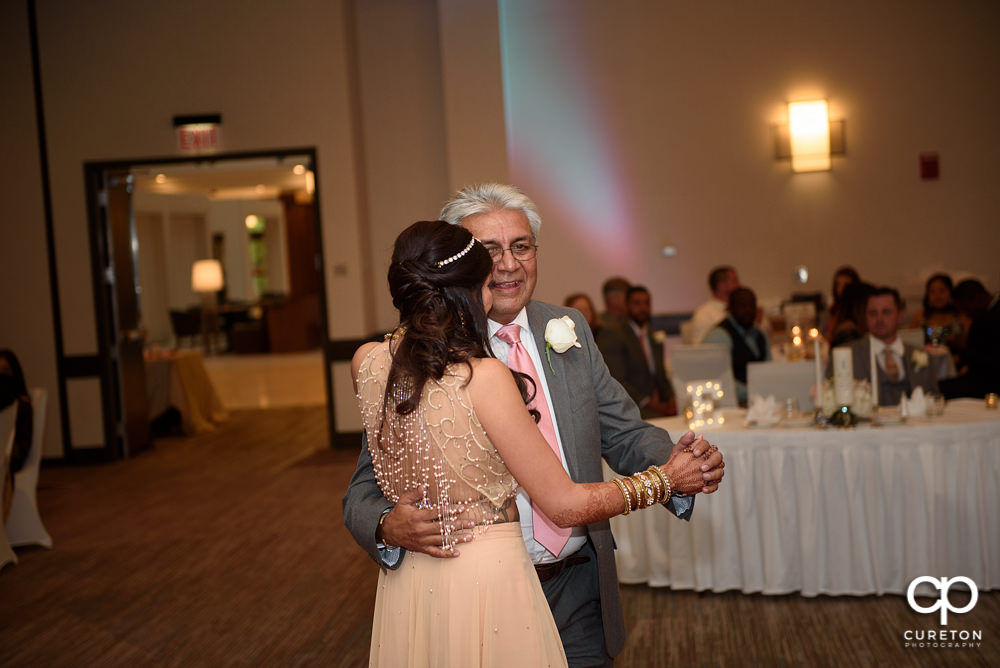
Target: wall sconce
<point>206,278</point>
<point>809,138</point>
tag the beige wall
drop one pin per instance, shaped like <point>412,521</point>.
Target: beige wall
<point>632,124</point>
<point>636,124</point>
<point>25,307</point>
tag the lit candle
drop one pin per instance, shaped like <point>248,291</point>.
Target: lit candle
<point>843,375</point>
<point>818,399</point>
<point>873,372</point>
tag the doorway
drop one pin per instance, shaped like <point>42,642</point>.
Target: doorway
<point>253,220</point>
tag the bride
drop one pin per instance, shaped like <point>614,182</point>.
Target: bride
<point>443,416</point>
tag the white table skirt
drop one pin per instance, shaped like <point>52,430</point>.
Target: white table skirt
<point>860,511</point>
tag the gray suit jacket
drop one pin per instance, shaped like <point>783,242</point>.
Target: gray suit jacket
<point>597,419</point>
<point>891,393</point>
<point>626,361</point>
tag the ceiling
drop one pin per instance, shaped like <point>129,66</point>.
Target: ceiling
<point>256,178</point>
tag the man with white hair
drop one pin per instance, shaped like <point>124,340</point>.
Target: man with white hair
<point>593,418</point>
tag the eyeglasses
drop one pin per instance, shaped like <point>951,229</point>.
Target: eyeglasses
<point>522,252</point>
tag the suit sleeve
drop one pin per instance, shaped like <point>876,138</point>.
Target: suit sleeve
<point>628,443</point>
<point>362,505</point>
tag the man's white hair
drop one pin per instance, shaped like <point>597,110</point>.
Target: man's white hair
<point>487,198</point>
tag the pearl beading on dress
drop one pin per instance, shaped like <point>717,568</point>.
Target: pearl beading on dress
<point>440,445</point>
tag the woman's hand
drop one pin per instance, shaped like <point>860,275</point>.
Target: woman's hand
<point>694,466</point>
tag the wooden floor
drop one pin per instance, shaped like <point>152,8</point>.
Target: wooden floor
<point>228,549</point>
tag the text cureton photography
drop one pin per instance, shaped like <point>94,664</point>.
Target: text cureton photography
<point>957,638</point>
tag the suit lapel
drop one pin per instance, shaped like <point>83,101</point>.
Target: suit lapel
<point>556,378</point>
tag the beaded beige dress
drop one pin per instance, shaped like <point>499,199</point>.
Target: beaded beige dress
<point>485,607</point>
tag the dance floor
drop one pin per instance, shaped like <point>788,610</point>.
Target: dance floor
<point>228,548</point>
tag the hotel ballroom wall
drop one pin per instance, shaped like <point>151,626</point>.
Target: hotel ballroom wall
<point>633,125</point>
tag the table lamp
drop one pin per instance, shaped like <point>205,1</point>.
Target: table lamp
<point>206,278</point>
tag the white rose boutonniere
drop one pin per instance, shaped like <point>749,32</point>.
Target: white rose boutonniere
<point>919,359</point>
<point>560,334</point>
<point>659,336</point>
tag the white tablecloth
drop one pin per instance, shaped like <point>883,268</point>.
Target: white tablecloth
<point>179,379</point>
<point>860,511</point>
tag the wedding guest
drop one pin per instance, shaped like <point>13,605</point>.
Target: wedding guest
<point>979,371</point>
<point>635,357</point>
<point>721,281</point>
<point>592,418</point>
<point>582,303</point>
<point>901,368</point>
<point>14,389</point>
<point>938,317</point>
<point>844,276</point>
<point>746,342</point>
<point>615,313</point>
<point>848,322</point>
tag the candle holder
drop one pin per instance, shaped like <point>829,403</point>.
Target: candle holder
<point>844,418</point>
<point>991,401</point>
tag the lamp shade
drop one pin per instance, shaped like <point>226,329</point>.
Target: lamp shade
<point>206,276</point>
<point>809,127</point>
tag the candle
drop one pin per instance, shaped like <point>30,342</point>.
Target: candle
<point>873,372</point>
<point>818,399</point>
<point>843,376</point>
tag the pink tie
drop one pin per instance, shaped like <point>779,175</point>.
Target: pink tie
<point>548,535</point>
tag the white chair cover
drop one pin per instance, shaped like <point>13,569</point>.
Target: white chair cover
<point>687,332</point>
<point>24,526</point>
<point>783,380</point>
<point>707,361</point>
<point>8,422</point>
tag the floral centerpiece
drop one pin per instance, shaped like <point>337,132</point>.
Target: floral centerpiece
<point>860,405</point>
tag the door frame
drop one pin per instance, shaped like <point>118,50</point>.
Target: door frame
<point>104,365</point>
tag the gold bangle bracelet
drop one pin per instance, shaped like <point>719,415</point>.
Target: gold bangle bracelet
<point>628,502</point>
<point>666,481</point>
<point>643,484</point>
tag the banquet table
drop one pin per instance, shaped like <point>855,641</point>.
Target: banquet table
<point>831,511</point>
<point>179,379</point>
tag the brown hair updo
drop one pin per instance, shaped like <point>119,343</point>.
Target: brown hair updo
<point>441,311</point>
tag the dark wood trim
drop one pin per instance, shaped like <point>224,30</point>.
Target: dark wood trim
<point>342,350</point>
<point>94,172</point>
<point>192,119</point>
<point>94,175</point>
<point>126,163</point>
<point>347,440</point>
<point>81,366</point>
<point>324,316</point>
<point>50,235</point>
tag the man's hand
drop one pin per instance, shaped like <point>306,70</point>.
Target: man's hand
<point>713,465</point>
<point>418,529</point>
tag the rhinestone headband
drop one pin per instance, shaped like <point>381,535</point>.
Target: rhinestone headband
<point>456,256</point>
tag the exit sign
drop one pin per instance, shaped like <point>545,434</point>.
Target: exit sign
<point>197,134</point>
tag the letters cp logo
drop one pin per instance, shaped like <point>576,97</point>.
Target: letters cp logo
<point>943,604</point>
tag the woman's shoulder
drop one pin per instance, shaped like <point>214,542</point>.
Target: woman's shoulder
<point>365,351</point>
<point>487,367</point>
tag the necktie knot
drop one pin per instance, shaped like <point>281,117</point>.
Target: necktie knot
<point>891,367</point>
<point>510,334</point>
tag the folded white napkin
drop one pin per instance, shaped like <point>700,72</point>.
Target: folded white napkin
<point>916,405</point>
<point>763,411</point>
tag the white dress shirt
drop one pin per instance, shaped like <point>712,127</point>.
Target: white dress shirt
<point>707,316</point>
<point>538,554</point>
